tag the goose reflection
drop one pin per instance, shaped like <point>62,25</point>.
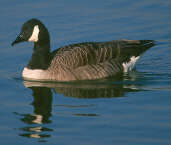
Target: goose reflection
<point>42,100</point>
<point>107,88</point>
<point>42,104</point>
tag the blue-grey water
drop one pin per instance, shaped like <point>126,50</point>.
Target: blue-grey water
<point>132,110</point>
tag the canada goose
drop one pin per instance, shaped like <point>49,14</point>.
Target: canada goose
<point>82,61</point>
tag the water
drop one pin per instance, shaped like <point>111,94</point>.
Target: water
<point>134,109</point>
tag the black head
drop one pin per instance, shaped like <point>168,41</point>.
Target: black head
<point>34,31</point>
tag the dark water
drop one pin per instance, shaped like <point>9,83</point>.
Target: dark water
<point>134,109</point>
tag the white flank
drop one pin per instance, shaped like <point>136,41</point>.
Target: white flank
<point>34,37</point>
<point>128,66</point>
<point>34,74</point>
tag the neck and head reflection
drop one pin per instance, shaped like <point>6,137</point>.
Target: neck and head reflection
<point>42,104</point>
<point>43,94</point>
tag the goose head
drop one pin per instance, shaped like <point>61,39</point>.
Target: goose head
<point>33,31</point>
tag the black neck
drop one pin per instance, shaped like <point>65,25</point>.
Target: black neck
<point>41,56</point>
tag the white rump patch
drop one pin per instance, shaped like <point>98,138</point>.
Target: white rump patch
<point>128,66</point>
<point>34,74</point>
<point>34,37</point>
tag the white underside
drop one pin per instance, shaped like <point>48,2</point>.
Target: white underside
<point>36,74</point>
<point>128,66</point>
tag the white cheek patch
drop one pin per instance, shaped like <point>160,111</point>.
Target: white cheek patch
<point>128,66</point>
<point>34,37</point>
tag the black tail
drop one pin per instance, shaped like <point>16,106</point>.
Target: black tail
<point>135,48</point>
